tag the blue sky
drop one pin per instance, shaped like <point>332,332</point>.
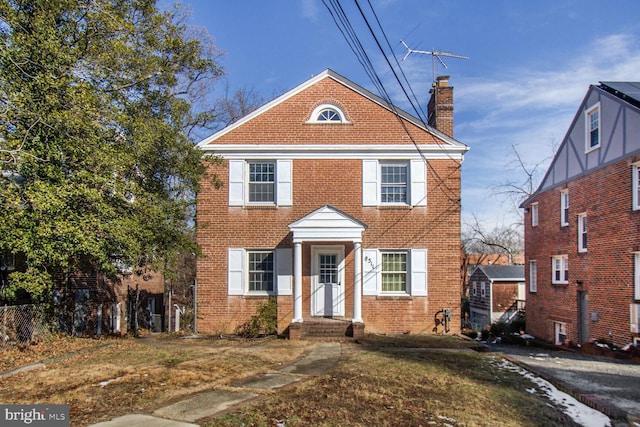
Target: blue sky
<point>530,64</point>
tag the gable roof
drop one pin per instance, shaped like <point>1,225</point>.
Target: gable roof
<point>327,221</point>
<point>503,273</point>
<point>570,161</point>
<point>328,73</point>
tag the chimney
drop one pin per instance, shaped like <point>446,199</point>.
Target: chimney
<point>440,108</point>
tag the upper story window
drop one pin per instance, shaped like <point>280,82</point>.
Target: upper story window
<point>533,276</point>
<point>401,183</point>
<point>636,186</point>
<point>260,182</point>
<point>394,182</point>
<point>560,269</point>
<point>483,289</point>
<point>582,232</point>
<point>564,208</point>
<point>534,214</point>
<point>592,119</point>
<point>327,113</point>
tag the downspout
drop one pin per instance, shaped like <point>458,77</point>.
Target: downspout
<point>491,302</point>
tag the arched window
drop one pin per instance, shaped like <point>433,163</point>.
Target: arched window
<point>327,113</point>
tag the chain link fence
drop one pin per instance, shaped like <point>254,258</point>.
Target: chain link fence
<point>22,324</point>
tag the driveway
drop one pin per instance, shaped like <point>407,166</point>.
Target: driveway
<point>609,385</point>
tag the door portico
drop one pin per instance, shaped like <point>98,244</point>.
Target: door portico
<point>328,282</point>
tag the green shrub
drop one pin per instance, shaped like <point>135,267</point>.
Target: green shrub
<point>264,322</point>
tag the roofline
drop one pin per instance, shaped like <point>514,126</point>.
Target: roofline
<point>499,279</point>
<point>604,89</point>
<point>328,73</point>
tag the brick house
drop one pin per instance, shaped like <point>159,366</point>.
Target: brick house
<point>496,294</point>
<point>578,288</point>
<point>339,206</point>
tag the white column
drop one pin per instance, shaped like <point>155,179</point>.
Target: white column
<point>297,282</point>
<point>357,283</point>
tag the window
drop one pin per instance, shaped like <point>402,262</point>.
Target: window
<point>475,288</point>
<point>564,208</point>
<point>560,332</point>
<point>592,118</point>
<point>582,232</point>
<point>533,276</point>
<point>393,184</point>
<point>560,269</point>
<point>534,215</point>
<point>636,275</point>
<point>636,186</point>
<point>402,183</point>
<point>327,113</point>
<point>260,271</point>
<point>394,272</point>
<point>483,289</point>
<point>262,182</point>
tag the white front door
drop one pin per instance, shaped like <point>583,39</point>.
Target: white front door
<point>327,284</point>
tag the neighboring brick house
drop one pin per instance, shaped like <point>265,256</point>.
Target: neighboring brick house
<point>580,288</point>
<point>496,294</point>
<point>337,205</point>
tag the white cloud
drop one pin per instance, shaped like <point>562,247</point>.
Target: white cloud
<point>532,110</point>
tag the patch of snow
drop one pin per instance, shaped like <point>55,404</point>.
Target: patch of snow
<point>602,345</point>
<point>579,412</point>
<point>104,383</point>
<point>527,337</point>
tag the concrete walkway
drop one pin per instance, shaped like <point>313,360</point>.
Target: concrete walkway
<point>184,413</point>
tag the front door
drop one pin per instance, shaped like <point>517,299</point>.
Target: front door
<point>327,284</point>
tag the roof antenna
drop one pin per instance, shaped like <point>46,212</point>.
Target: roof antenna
<point>434,55</point>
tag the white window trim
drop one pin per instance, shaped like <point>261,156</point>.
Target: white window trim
<point>564,267</point>
<point>239,183</point>
<point>483,289</point>
<point>534,215</point>
<point>587,128</point>
<point>635,176</point>
<point>636,275</point>
<point>327,106</point>
<point>417,275</point>
<point>564,208</point>
<point>582,230</point>
<point>238,272</point>
<point>533,276</point>
<point>372,182</point>
<point>475,289</point>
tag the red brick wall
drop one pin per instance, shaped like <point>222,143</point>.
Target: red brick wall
<point>605,271</point>
<point>317,182</point>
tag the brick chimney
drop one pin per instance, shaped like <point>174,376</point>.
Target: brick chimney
<point>440,108</point>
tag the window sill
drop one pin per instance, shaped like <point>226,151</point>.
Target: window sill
<point>394,207</point>
<point>394,297</point>
<point>260,207</point>
<point>560,285</point>
<point>257,296</point>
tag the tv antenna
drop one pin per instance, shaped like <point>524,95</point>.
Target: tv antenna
<point>434,55</point>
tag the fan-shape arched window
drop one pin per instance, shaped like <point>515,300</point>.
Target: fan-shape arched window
<point>327,113</point>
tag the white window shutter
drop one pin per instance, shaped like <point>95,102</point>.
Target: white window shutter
<point>284,186</point>
<point>372,271</point>
<point>284,271</point>
<point>370,183</point>
<point>236,271</point>
<point>236,182</point>
<point>418,187</point>
<point>419,272</point>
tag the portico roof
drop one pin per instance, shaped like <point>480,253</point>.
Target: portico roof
<point>327,224</point>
